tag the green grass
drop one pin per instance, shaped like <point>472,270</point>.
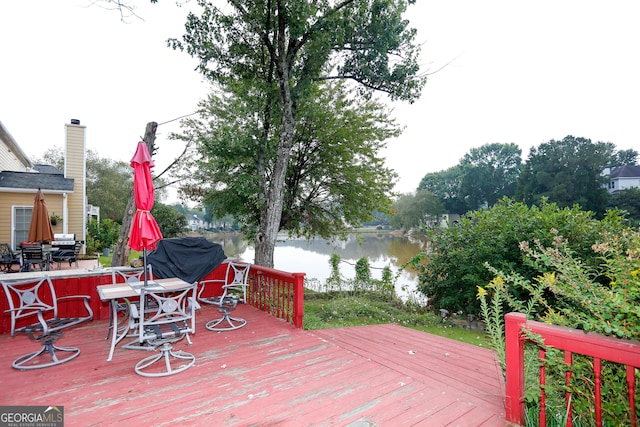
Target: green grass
<point>342,309</point>
<point>105,261</point>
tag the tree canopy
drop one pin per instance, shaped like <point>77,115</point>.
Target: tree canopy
<point>335,178</point>
<point>566,172</point>
<point>482,177</point>
<point>271,56</point>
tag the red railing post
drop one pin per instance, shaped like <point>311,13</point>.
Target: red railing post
<point>514,355</point>
<point>298,302</point>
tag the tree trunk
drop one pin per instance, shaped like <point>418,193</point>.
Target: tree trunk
<point>272,211</point>
<point>121,252</point>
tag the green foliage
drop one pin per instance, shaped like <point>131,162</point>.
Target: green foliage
<point>482,177</point>
<point>566,172</point>
<point>489,174</point>
<point>602,298</point>
<point>101,235</point>
<point>456,261</point>
<point>171,222</point>
<point>335,178</point>
<point>628,201</point>
<point>272,63</point>
<point>446,185</point>
<point>412,211</point>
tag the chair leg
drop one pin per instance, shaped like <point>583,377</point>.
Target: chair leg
<point>174,362</point>
<point>57,355</point>
<point>225,323</point>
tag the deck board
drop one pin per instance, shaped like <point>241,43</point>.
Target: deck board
<point>266,374</point>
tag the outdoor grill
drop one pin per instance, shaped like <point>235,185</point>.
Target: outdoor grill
<point>64,241</point>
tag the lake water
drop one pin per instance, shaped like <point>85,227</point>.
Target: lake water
<point>312,257</point>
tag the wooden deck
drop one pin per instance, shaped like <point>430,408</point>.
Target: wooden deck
<point>269,374</point>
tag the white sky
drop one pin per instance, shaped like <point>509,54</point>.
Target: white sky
<point>522,71</point>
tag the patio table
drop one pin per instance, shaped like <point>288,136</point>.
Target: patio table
<point>113,293</point>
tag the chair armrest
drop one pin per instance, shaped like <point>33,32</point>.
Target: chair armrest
<point>86,299</point>
<point>38,312</point>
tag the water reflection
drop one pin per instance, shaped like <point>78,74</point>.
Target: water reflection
<point>312,257</point>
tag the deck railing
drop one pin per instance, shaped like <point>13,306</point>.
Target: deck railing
<point>279,293</point>
<point>276,292</point>
<point>571,341</point>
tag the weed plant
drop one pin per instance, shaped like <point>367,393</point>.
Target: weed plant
<point>605,300</point>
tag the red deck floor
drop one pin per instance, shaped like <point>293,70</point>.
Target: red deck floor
<point>269,374</point>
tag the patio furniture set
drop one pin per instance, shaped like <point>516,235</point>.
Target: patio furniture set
<point>41,256</point>
<point>153,313</point>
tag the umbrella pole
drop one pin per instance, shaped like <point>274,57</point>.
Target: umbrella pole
<point>144,263</point>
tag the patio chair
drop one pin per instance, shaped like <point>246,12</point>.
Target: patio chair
<point>235,280</point>
<point>127,275</point>
<point>33,255</point>
<point>34,310</point>
<point>8,258</point>
<point>68,255</point>
<point>164,318</point>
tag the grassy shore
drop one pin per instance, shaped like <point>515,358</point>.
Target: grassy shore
<point>341,309</point>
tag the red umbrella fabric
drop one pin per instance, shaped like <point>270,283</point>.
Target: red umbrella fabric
<point>40,229</point>
<point>145,232</point>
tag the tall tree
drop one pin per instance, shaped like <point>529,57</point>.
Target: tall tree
<point>490,173</point>
<point>278,49</point>
<point>625,157</point>
<point>566,172</point>
<point>335,178</point>
<point>415,210</point>
<point>447,185</point>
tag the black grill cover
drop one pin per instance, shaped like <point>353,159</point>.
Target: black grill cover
<point>189,258</point>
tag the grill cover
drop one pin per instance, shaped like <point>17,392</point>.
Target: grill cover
<point>189,258</point>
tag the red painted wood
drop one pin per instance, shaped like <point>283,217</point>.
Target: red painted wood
<point>514,375</point>
<point>269,373</point>
<point>277,292</point>
<point>599,347</point>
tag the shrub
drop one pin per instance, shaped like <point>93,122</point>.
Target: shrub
<point>604,298</point>
<point>456,263</point>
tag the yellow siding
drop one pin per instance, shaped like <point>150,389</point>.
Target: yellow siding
<point>75,168</point>
<point>9,200</point>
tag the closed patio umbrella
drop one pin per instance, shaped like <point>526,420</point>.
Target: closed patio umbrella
<point>145,232</point>
<point>40,228</point>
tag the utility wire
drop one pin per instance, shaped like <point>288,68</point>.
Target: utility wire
<point>178,118</point>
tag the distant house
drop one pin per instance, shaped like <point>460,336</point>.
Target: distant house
<point>196,223</point>
<point>64,191</point>
<point>622,178</point>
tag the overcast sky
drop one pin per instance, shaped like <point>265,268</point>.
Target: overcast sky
<point>519,71</point>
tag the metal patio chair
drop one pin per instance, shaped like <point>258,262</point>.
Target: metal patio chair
<point>68,255</point>
<point>164,318</point>
<point>8,258</point>
<point>127,275</point>
<point>33,255</point>
<point>236,279</point>
<point>34,310</point>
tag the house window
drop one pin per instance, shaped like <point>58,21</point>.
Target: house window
<point>21,223</point>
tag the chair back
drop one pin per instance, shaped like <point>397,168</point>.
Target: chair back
<point>130,274</point>
<point>167,313</point>
<point>32,254</point>
<point>33,297</point>
<point>6,253</point>
<point>237,273</point>
<point>7,256</point>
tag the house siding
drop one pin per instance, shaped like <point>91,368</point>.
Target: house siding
<point>10,162</point>
<point>75,168</point>
<point>54,204</point>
